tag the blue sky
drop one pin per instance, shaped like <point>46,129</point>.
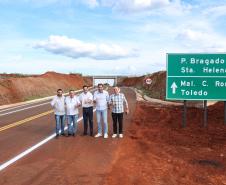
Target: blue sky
<point>128,37</point>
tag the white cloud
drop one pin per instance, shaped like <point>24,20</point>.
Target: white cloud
<point>37,2</point>
<point>202,41</point>
<point>215,12</point>
<point>125,6</point>
<point>89,3</point>
<point>172,7</point>
<point>74,48</point>
<point>136,5</point>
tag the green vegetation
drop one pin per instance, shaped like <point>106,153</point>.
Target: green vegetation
<point>14,75</point>
<point>152,93</point>
<point>79,74</point>
<point>34,97</point>
<point>70,88</point>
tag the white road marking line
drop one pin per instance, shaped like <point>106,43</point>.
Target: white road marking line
<point>18,106</point>
<point>30,106</point>
<point>29,150</point>
<point>24,109</point>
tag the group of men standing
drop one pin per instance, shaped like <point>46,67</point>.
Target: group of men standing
<point>67,107</point>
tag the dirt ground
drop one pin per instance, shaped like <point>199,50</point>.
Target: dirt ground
<point>156,150</point>
<point>159,151</point>
<point>79,160</point>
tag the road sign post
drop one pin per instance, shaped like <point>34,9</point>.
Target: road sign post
<point>225,112</point>
<point>205,113</point>
<point>184,114</point>
<point>196,77</point>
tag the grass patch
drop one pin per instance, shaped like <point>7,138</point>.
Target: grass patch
<point>34,97</point>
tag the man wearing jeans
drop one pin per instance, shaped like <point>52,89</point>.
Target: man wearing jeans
<point>58,104</point>
<point>101,98</point>
<point>72,103</point>
<point>117,101</point>
<point>86,99</point>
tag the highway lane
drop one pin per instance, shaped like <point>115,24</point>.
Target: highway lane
<point>82,159</point>
<point>31,104</point>
<point>25,106</point>
<point>14,114</point>
<point>28,132</point>
<point>18,139</point>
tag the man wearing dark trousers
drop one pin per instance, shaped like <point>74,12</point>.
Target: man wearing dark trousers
<point>86,99</point>
<point>117,101</point>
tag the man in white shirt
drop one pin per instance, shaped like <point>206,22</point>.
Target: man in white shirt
<point>86,99</point>
<point>58,104</point>
<point>72,103</point>
<point>101,98</point>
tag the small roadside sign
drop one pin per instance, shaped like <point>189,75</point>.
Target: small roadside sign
<point>148,81</point>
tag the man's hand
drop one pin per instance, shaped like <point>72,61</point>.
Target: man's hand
<point>78,105</point>
<point>127,111</point>
<point>109,106</point>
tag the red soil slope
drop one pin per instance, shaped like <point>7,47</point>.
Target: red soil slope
<point>158,151</point>
<point>156,89</point>
<point>15,89</point>
<point>133,81</point>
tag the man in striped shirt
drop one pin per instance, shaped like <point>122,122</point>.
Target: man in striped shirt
<point>117,101</point>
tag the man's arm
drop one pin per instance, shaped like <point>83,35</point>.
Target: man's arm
<point>126,102</point>
<point>80,98</point>
<point>78,103</point>
<point>90,98</point>
<point>94,98</point>
<point>107,96</point>
<point>53,102</point>
<point>110,102</point>
<point>108,99</point>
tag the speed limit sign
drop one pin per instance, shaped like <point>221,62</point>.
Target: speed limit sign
<point>148,81</point>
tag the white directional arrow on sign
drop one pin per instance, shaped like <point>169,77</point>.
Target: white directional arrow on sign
<point>174,87</point>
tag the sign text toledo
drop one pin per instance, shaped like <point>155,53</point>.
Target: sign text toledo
<point>196,77</point>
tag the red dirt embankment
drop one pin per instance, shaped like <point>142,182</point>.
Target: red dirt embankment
<point>15,89</point>
<point>157,151</point>
<point>157,89</point>
<point>133,81</point>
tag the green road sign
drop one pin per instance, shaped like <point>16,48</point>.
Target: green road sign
<point>196,77</point>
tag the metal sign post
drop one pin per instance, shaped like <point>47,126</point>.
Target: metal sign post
<point>205,113</point>
<point>184,114</point>
<point>225,112</point>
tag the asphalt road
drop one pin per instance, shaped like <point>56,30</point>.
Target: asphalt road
<point>67,160</point>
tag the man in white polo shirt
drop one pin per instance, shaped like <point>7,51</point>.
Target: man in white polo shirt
<point>58,104</point>
<point>101,98</point>
<point>86,99</point>
<point>72,103</point>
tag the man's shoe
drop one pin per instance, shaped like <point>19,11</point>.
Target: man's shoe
<point>114,136</point>
<point>105,136</point>
<point>98,135</point>
<point>120,135</point>
<point>73,134</point>
<point>63,134</point>
<point>57,135</point>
